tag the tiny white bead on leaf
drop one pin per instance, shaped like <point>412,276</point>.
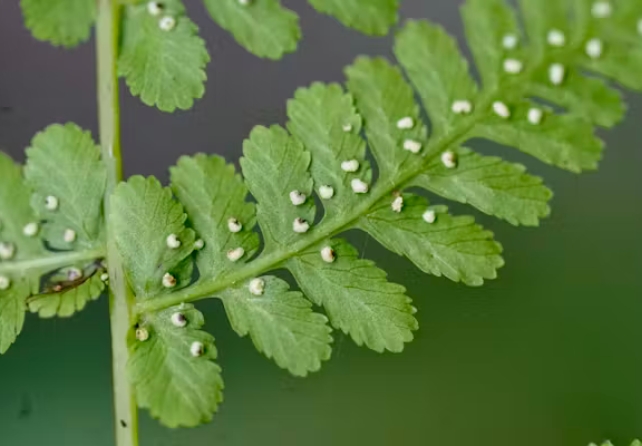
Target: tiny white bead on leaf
<point>104,277</point>
<point>300,226</point>
<point>154,8</point>
<point>412,146</point>
<point>326,192</point>
<point>601,10</point>
<point>556,38</point>
<point>142,334</point>
<point>7,250</point>
<point>462,107</point>
<point>449,159</point>
<point>405,123</point>
<point>513,66</point>
<point>235,254</point>
<point>74,274</point>
<point>328,254</point>
<point>347,127</point>
<point>69,236</point>
<point>594,48</point>
<point>173,242</point>
<point>358,186</point>
<point>430,216</point>
<point>535,116</point>
<point>5,283</point>
<point>167,23</point>
<point>197,349</point>
<point>31,229</point>
<point>169,281</point>
<point>510,41</point>
<point>234,225</point>
<point>51,203</point>
<point>350,166</point>
<point>297,198</point>
<point>179,320</point>
<point>199,244</point>
<point>257,286</point>
<point>501,109</point>
<point>397,204</point>
<point>556,73</point>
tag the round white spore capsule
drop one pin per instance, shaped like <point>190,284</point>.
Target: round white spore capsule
<point>350,166</point>
<point>557,73</point>
<point>535,115</point>
<point>167,23</point>
<point>300,226</point>
<point>510,41</point>
<point>199,244</point>
<point>5,283</point>
<point>359,186</point>
<point>142,334</point>
<point>31,229</point>
<point>234,225</point>
<point>69,236</point>
<point>327,254</point>
<point>169,281</point>
<point>178,319</point>
<point>594,48</point>
<point>513,66</point>
<point>462,107</point>
<point>601,10</point>
<point>154,8</point>
<point>430,216</point>
<point>234,255</point>
<point>501,109</point>
<point>397,204</point>
<point>7,250</point>
<point>297,198</point>
<point>412,146</point>
<point>449,159</point>
<point>197,349</point>
<point>406,123</point>
<point>257,286</point>
<point>326,192</point>
<point>173,242</point>
<point>51,203</point>
<point>556,38</point>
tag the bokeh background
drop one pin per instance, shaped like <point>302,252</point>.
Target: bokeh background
<point>548,354</point>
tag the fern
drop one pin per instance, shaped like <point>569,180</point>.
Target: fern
<point>213,233</point>
<point>162,57</point>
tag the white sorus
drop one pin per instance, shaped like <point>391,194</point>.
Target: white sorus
<point>405,123</point>
<point>327,254</point>
<point>601,10</point>
<point>234,225</point>
<point>556,38</point>
<point>69,235</point>
<point>104,277</point>
<point>501,109</point>
<point>462,107</point>
<point>154,8</point>
<point>197,349</point>
<point>449,159</point>
<point>350,166</point>
<point>326,192</point>
<point>397,204</point>
<point>430,216</point>
<point>31,229</point>
<point>169,281</point>
<point>412,146</point>
<point>347,127</point>
<point>142,334</point>
<point>51,203</point>
<point>297,198</point>
<point>199,244</point>
<point>556,73</point>
<point>300,226</point>
<point>167,23</point>
<point>178,319</point>
<point>513,66</point>
<point>257,286</point>
<point>235,254</point>
<point>358,186</point>
<point>5,283</point>
<point>594,48</point>
<point>74,274</point>
<point>510,41</point>
<point>172,241</point>
<point>535,116</point>
<point>7,250</point>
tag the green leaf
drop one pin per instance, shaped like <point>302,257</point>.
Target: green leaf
<point>66,303</point>
<point>166,68</point>
<point>324,118</point>
<point>373,17</point>
<point>178,388</point>
<point>212,194</point>
<point>454,247</point>
<point>357,297</point>
<point>276,164</point>
<point>383,98</point>
<point>263,27</point>
<point>281,324</point>
<point>60,22</point>
<point>143,216</point>
<point>63,164</point>
<point>12,312</point>
<point>491,185</point>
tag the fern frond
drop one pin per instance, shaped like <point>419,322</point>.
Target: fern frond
<point>322,158</point>
<point>52,229</point>
<point>60,22</point>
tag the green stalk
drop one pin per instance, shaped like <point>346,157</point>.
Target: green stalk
<point>120,297</point>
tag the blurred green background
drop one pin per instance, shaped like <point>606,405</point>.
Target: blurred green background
<point>548,354</point>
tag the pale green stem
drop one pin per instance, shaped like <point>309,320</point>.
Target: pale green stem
<point>120,297</point>
<point>51,262</point>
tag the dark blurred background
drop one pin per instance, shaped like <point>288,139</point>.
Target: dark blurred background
<point>548,354</point>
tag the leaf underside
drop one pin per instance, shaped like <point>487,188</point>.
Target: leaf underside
<point>373,17</point>
<point>60,22</point>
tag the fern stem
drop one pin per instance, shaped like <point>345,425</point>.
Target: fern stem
<point>52,262</point>
<point>120,297</point>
